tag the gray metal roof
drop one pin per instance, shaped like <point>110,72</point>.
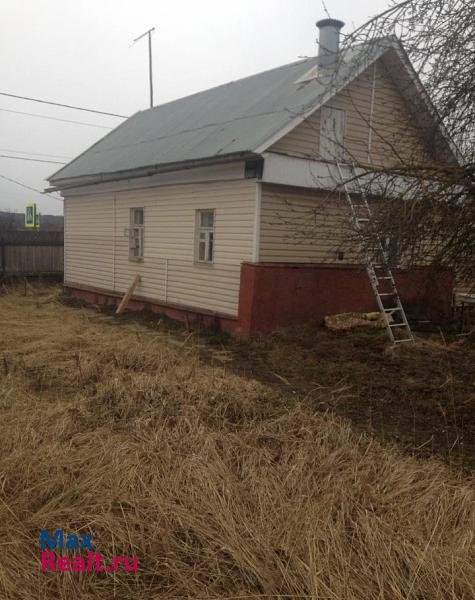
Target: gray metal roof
<point>231,119</point>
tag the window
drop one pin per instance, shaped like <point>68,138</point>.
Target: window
<point>204,250</point>
<point>332,133</point>
<point>136,234</point>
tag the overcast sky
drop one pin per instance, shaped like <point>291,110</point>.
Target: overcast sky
<point>79,52</point>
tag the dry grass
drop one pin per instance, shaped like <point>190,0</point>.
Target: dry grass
<point>220,486</point>
<point>420,396</point>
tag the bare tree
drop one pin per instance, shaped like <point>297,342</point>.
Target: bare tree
<point>431,213</point>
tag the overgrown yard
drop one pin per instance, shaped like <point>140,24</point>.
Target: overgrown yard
<point>226,467</point>
<point>421,397</point>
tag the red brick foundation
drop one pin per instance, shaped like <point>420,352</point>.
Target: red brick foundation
<point>181,314</point>
<point>283,295</point>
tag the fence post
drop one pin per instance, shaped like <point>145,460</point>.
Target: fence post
<point>166,280</point>
<point>2,259</point>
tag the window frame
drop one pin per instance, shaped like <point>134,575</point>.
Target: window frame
<point>209,237</point>
<point>140,229</point>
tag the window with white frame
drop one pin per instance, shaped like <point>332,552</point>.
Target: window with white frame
<point>136,234</point>
<point>204,236</point>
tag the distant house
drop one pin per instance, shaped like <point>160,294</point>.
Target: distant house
<point>224,201</point>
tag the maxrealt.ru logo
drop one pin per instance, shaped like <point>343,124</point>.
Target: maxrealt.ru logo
<point>93,562</point>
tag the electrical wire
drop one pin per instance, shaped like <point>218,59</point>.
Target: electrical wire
<point>28,187</point>
<point>39,160</point>
<point>35,153</point>
<point>91,110</point>
<point>100,112</point>
<point>18,112</point>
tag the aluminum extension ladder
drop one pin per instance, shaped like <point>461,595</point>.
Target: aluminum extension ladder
<point>377,266</point>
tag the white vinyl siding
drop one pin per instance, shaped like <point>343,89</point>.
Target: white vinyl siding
<point>168,271</point>
<point>394,132</point>
<point>303,226</point>
<point>89,240</point>
<point>332,134</point>
<point>312,226</point>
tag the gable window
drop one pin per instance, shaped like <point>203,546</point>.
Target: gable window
<point>332,133</point>
<point>136,234</point>
<point>204,236</point>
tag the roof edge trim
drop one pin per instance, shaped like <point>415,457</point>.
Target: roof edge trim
<point>395,45</point>
<point>85,180</point>
<point>325,97</point>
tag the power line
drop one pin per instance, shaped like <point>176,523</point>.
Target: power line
<point>23,185</point>
<point>18,112</point>
<point>53,162</point>
<point>91,110</point>
<point>35,153</point>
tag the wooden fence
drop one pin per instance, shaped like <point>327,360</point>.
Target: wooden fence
<point>25,253</point>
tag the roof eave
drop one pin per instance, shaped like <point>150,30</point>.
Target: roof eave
<point>111,177</point>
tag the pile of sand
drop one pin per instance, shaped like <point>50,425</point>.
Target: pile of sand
<point>347,321</point>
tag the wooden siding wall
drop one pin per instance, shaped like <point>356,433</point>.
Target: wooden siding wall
<point>394,137</point>
<point>305,226</point>
<point>31,253</point>
<point>97,249</point>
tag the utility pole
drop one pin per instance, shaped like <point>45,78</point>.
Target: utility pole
<point>150,72</point>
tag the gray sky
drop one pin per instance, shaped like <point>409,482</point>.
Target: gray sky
<point>78,52</point>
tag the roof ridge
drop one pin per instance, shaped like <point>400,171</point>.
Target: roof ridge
<point>222,85</point>
<point>258,74</point>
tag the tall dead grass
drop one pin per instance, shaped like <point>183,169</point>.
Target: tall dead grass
<point>220,487</point>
